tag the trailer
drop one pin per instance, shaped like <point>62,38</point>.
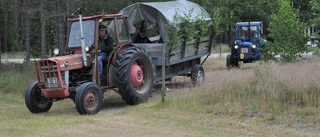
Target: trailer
<point>185,59</point>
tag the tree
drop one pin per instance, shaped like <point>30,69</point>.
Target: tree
<point>5,28</point>
<point>61,24</point>
<point>286,29</point>
<point>27,28</point>
<point>303,8</point>
<point>228,12</point>
<point>228,16</point>
<point>1,29</point>
<point>43,28</point>
<point>315,8</point>
<point>0,50</point>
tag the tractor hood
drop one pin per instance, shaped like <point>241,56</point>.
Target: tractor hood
<point>68,62</point>
<point>245,44</point>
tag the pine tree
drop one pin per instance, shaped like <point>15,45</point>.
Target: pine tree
<point>286,30</point>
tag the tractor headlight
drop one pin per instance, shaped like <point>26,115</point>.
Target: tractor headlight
<point>254,46</point>
<point>86,48</point>
<point>235,46</point>
<point>56,51</point>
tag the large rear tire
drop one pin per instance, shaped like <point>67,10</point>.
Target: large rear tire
<point>135,75</point>
<point>88,99</point>
<point>35,101</point>
<point>197,75</point>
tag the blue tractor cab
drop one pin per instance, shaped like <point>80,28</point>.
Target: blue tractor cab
<point>247,44</point>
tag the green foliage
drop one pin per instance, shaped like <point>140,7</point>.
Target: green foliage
<point>303,7</point>
<point>286,29</point>
<point>224,14</point>
<point>202,28</point>
<point>211,7</point>
<point>187,28</point>
<point>174,38</point>
<point>227,16</point>
<point>13,40</point>
<point>315,50</point>
<point>184,29</point>
<point>315,11</point>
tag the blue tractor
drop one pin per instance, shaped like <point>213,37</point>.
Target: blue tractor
<point>247,45</point>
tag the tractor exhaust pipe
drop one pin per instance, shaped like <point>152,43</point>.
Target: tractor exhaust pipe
<point>249,31</point>
<point>84,57</point>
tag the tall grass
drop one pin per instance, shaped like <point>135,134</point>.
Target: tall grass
<point>15,77</point>
<point>265,90</point>
<point>292,84</point>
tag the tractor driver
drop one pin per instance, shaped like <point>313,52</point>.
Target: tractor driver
<point>105,46</point>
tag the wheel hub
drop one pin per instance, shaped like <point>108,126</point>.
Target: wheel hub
<point>39,99</point>
<point>199,77</point>
<point>136,76</point>
<point>89,100</point>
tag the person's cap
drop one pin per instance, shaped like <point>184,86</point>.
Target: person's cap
<point>143,30</point>
<point>102,26</point>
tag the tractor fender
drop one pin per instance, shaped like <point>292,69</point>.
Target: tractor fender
<point>118,51</point>
<point>115,55</point>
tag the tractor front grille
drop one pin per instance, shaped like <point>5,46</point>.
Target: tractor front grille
<point>48,73</point>
<point>245,50</point>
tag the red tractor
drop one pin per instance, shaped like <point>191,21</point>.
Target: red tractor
<point>75,73</point>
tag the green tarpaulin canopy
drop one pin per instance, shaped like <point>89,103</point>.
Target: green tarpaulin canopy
<point>157,14</point>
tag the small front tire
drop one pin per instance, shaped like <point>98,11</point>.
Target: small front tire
<point>35,101</point>
<point>229,62</point>
<point>88,99</point>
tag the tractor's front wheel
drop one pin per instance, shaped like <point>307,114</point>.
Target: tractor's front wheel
<point>135,75</point>
<point>229,62</point>
<point>88,99</point>
<point>35,101</point>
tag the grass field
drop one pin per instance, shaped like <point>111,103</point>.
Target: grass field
<point>260,99</point>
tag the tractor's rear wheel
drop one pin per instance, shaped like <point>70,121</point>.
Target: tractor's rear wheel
<point>135,75</point>
<point>88,99</point>
<point>197,75</point>
<point>35,101</point>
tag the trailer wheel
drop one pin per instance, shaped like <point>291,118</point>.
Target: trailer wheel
<point>35,101</point>
<point>229,62</point>
<point>88,99</point>
<point>197,75</point>
<point>135,75</point>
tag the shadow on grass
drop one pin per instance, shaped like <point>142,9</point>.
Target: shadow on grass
<point>112,103</point>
